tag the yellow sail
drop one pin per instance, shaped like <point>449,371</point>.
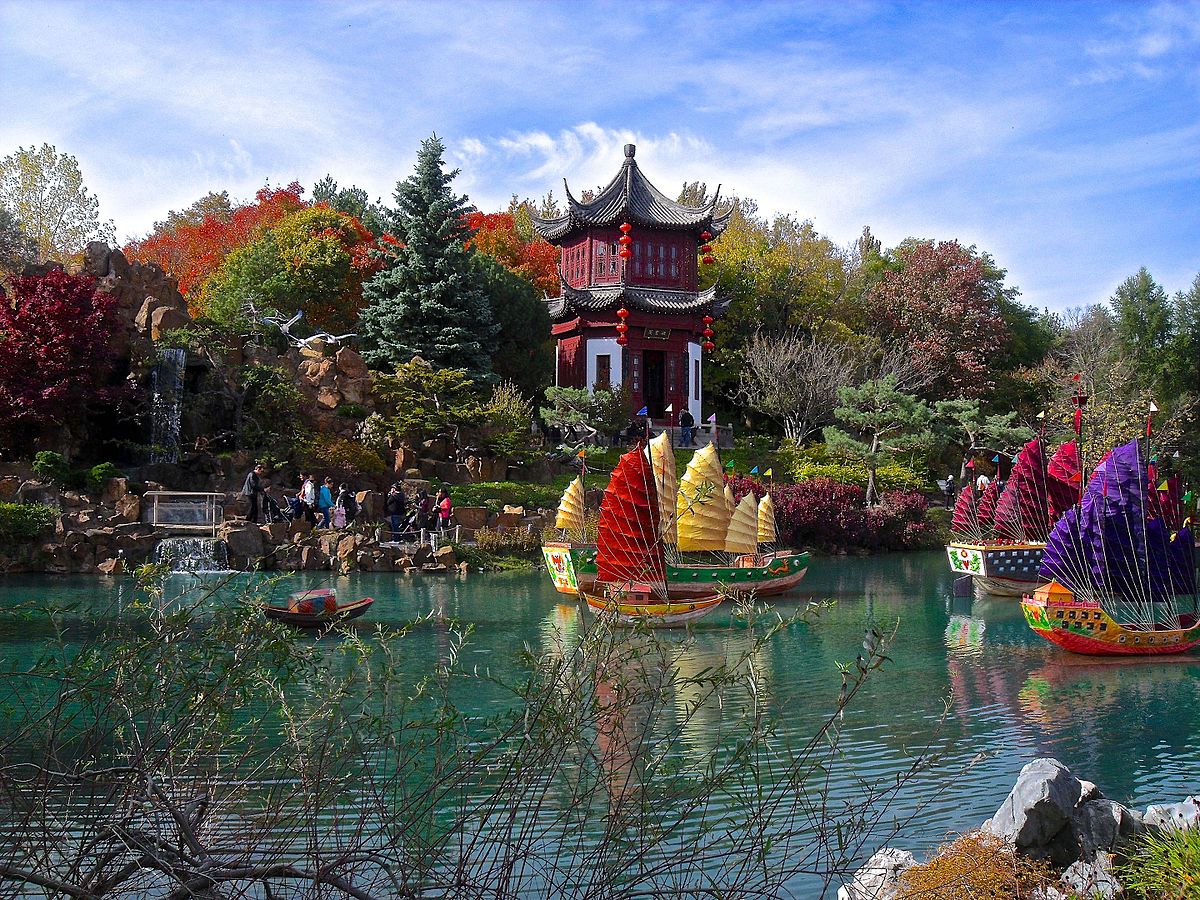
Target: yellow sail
<point>742,536</point>
<point>662,461</point>
<point>570,508</point>
<point>700,509</point>
<point>767,534</point>
<point>730,505</point>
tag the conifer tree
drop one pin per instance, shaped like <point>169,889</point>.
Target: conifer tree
<point>428,300</point>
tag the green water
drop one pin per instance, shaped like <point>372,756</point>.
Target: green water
<point>1128,726</point>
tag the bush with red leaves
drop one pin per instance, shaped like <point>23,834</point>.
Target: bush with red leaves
<point>829,516</point>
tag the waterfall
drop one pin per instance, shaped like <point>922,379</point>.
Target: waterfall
<point>190,554</point>
<point>166,380</point>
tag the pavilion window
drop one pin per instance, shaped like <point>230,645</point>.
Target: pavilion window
<point>696,379</point>
<point>603,370</point>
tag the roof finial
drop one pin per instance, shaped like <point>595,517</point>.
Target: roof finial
<point>630,149</point>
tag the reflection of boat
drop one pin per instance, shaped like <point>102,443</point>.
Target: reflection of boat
<point>1122,562</point>
<point>631,570</point>
<point>999,536</point>
<point>965,631</point>
<point>316,609</point>
<point>712,543</point>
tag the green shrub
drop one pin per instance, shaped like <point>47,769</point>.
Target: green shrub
<point>326,453</point>
<point>888,477</point>
<point>495,495</point>
<point>1163,864</point>
<point>99,474</point>
<point>24,521</point>
<point>514,542</point>
<point>50,466</point>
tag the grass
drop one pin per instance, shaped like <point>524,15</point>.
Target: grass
<point>1163,866</point>
<point>974,866</point>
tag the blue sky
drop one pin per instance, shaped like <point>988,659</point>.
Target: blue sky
<point>1062,137</point>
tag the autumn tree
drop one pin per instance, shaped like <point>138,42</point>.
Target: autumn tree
<point>56,333</point>
<point>428,300</point>
<point>17,249</point>
<point>44,190</point>
<point>536,260</point>
<point>940,301</point>
<point>194,251</point>
<point>880,421</point>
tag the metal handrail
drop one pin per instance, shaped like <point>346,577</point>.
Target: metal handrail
<point>213,510</point>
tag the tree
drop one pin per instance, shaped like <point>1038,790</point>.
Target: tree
<point>1183,351</point>
<point>17,249</point>
<point>963,424</point>
<point>945,302</point>
<point>193,252</point>
<point>44,190</point>
<point>422,400</point>
<point>883,421</point>
<point>794,379</point>
<point>61,331</point>
<point>428,300</point>
<point>353,201</point>
<point>212,204</point>
<point>536,260</point>
<point>522,351</point>
<point>1143,320</point>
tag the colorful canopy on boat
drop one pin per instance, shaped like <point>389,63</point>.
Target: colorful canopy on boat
<point>702,517</point>
<point>986,507</point>
<point>570,509</point>
<point>742,534</point>
<point>767,531</point>
<point>662,460</point>
<point>628,549</point>
<point>1062,480</point>
<point>1022,509</point>
<point>1109,547</point>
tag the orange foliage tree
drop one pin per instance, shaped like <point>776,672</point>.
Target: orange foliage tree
<point>193,252</point>
<point>536,261</point>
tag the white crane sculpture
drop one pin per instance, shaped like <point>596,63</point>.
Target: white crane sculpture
<point>285,327</point>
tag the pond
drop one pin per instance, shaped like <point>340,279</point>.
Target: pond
<point>1007,695</point>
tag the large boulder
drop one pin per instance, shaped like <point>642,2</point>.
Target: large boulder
<point>242,539</point>
<point>1092,879</point>
<point>470,516</point>
<point>877,879</point>
<point>1105,826</point>
<point>444,556</point>
<point>36,492</point>
<point>350,363</point>
<point>1036,816</point>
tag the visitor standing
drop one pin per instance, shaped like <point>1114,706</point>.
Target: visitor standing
<point>394,507</point>
<point>686,424</point>
<point>325,502</point>
<point>255,489</point>
<point>348,504</point>
<point>308,497</point>
<point>425,517</point>
<point>982,482</point>
<point>445,508</point>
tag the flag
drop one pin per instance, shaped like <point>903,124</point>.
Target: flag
<point>1076,377</point>
<point>996,458</point>
<point>582,454</point>
<point>712,420</point>
<point>768,473</point>
<point>670,408</point>
<point>970,464</point>
<point>1163,487</point>
<point>1153,407</point>
<point>1042,414</point>
<point>754,471</point>
<point>642,411</point>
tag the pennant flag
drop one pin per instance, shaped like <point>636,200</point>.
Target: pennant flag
<point>1076,377</point>
<point>712,420</point>
<point>971,464</point>
<point>768,473</point>
<point>1042,414</point>
<point>670,408</point>
<point>730,464</point>
<point>582,454</point>
<point>996,458</point>
<point>1153,406</point>
<point>1187,498</point>
<point>754,471</point>
<point>1175,455</point>
<point>1163,487</point>
<point>642,411</point>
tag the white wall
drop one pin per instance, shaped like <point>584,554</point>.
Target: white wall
<point>600,347</point>
<point>694,390</point>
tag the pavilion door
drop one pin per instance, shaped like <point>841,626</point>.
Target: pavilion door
<point>654,373</point>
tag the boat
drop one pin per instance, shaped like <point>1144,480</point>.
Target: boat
<point>999,535</point>
<point>631,570</point>
<point>316,609</point>
<point>1120,567</point>
<point>706,548</point>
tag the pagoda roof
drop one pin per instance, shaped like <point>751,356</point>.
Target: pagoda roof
<point>575,301</point>
<point>630,197</point>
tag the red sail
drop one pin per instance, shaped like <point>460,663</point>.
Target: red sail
<point>1022,508</point>
<point>987,503</point>
<point>627,546</point>
<point>965,523</point>
<point>1062,481</point>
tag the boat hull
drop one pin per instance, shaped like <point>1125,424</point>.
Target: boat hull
<point>1085,628</point>
<point>572,569</point>
<point>313,621</point>
<point>633,607</point>
<point>1008,570</point>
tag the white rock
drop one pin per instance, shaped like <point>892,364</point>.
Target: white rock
<point>1092,879</point>
<point>1185,814</point>
<point>877,879</point>
<point>1036,815</point>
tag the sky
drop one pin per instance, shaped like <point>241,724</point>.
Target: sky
<point>1061,137</point>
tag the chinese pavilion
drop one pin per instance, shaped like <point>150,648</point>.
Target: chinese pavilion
<point>629,311</point>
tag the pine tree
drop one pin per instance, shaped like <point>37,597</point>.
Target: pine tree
<point>428,300</point>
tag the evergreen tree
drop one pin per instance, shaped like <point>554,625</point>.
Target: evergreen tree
<point>428,300</point>
<point>1144,327</point>
<point>523,351</point>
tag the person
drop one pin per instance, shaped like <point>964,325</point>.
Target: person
<point>308,497</point>
<point>982,482</point>
<point>325,502</point>
<point>686,424</point>
<point>424,510</point>
<point>348,504</point>
<point>445,508</point>
<point>394,507</point>
<point>254,489</point>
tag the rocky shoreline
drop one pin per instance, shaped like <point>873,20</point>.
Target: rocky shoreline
<point>1051,815</point>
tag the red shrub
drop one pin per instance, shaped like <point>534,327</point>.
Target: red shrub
<point>821,513</point>
<point>898,522</point>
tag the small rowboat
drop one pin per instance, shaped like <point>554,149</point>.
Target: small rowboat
<point>639,603</point>
<point>316,609</point>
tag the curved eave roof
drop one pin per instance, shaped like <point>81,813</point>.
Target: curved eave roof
<point>576,301</point>
<point>630,197</point>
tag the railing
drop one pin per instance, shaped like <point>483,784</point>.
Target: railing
<point>702,433</point>
<point>183,511</point>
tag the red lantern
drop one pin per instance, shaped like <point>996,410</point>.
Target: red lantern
<point>622,328</point>
<point>706,236</point>
<point>625,239</point>
<point>708,333</point>
<point>707,320</point>
<point>622,340</point>
<point>708,260</point>
<point>708,345</point>
<point>707,248</point>
<point>626,228</point>
<point>625,253</point>
<point>622,313</point>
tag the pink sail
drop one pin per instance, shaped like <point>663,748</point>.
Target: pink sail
<point>1063,480</point>
<point>1022,510</point>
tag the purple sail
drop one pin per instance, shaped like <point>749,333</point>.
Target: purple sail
<point>1107,546</point>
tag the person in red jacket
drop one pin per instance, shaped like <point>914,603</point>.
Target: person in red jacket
<point>444,507</point>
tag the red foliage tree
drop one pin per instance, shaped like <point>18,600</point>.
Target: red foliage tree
<point>55,356</point>
<point>192,252</point>
<point>536,261</point>
<point>941,303</point>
